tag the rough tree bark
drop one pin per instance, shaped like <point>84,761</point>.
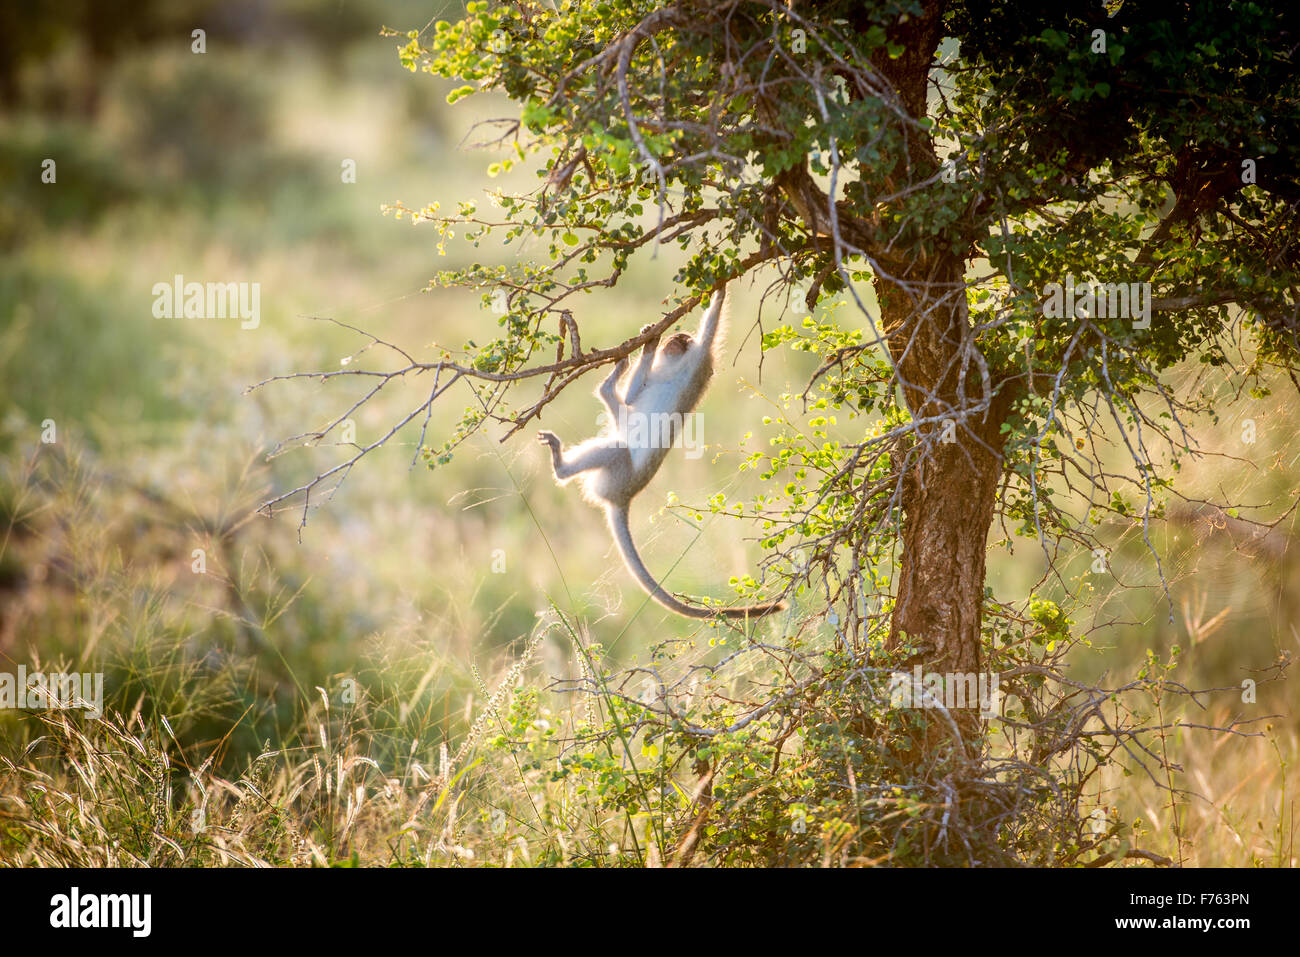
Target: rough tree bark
<point>949,497</point>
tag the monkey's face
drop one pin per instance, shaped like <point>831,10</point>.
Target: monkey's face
<point>678,345</point>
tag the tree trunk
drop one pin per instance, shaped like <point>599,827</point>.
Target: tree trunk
<point>940,590</point>
<point>949,496</point>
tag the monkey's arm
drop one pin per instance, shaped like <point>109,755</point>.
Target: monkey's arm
<point>709,327</point>
<point>608,390</point>
<point>637,382</point>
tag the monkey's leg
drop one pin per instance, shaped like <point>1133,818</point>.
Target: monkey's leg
<point>580,459</point>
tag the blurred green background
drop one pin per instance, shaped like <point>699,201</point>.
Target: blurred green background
<point>227,166</point>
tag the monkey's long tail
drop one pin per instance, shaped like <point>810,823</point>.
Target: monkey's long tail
<point>618,524</point>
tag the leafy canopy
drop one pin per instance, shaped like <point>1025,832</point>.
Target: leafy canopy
<point>1139,143</point>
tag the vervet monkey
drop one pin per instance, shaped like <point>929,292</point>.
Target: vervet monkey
<point>613,468</point>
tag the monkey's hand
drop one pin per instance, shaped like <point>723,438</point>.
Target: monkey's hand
<point>650,348</point>
<point>549,438</point>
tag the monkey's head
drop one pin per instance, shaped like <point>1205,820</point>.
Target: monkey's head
<point>678,345</point>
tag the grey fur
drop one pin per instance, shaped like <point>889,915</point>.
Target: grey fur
<point>612,475</point>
